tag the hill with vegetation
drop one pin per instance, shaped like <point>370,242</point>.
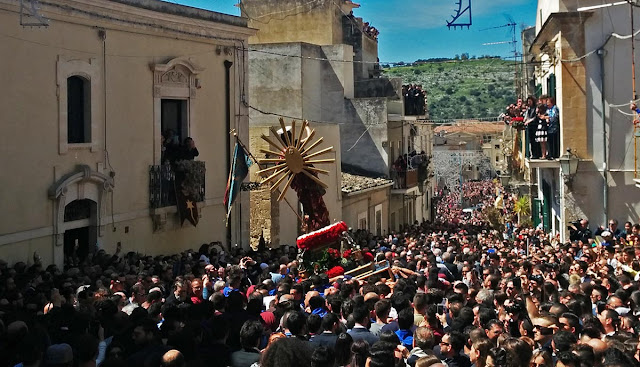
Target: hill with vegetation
<point>472,88</point>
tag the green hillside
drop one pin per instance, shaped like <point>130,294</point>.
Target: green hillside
<point>462,89</point>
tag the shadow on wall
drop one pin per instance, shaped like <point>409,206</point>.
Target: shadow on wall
<point>362,134</point>
<point>378,87</point>
<point>622,205</point>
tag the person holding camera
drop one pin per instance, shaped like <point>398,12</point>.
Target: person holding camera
<point>579,231</point>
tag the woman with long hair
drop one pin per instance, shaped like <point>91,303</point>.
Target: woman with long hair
<point>541,132</point>
<point>287,352</point>
<point>531,123</point>
<point>343,349</point>
<point>541,358</point>
<point>359,353</point>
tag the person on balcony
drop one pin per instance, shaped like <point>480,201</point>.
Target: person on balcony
<point>541,132</point>
<point>170,146</point>
<point>189,150</point>
<point>553,130</point>
<point>531,122</point>
<point>400,166</point>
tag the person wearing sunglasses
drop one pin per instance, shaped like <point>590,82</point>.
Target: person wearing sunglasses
<point>450,350</point>
<point>543,328</point>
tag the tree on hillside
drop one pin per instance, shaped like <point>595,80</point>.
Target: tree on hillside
<point>465,56</point>
<point>456,57</point>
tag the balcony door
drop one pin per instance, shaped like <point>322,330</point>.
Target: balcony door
<point>174,124</point>
<point>174,116</point>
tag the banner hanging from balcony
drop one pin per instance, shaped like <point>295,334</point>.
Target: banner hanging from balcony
<point>187,208</point>
<point>239,170</point>
<point>189,188</point>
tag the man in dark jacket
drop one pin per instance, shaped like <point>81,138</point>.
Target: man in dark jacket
<point>330,324</point>
<point>451,348</point>
<point>361,330</point>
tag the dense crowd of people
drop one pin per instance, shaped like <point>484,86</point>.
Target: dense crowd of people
<point>414,99</point>
<point>541,121</point>
<point>370,30</point>
<point>459,294</point>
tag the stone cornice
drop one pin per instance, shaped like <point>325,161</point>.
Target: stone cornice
<point>147,20</point>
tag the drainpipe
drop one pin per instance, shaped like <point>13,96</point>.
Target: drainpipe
<point>227,94</point>
<point>605,187</point>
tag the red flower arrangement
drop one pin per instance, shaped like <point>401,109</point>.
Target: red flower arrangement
<point>335,271</point>
<point>368,256</point>
<point>346,254</point>
<point>333,253</point>
<point>321,237</point>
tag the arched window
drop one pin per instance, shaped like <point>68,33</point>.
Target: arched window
<point>78,110</point>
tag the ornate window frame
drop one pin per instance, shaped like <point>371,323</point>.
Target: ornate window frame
<point>175,79</point>
<point>88,69</point>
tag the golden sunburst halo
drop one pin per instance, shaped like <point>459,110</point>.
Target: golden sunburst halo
<point>292,155</point>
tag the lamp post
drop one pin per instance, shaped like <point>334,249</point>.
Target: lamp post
<point>569,166</point>
<point>504,180</point>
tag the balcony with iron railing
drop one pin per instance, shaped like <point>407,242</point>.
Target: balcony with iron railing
<point>406,179</point>
<point>165,179</point>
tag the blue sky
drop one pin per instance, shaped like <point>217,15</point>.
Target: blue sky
<point>416,29</point>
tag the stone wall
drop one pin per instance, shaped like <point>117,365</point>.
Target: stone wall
<point>318,22</point>
<point>366,202</point>
<point>378,87</point>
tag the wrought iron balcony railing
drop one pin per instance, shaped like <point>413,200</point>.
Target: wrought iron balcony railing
<point>163,183</point>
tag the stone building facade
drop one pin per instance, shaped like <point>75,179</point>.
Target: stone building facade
<point>314,61</point>
<point>91,97</point>
<point>587,68</point>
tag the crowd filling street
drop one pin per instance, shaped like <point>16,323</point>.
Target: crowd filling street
<point>462,294</point>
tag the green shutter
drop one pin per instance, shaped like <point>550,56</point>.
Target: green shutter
<point>551,85</point>
<point>535,212</point>
<point>538,90</point>
<point>547,196</point>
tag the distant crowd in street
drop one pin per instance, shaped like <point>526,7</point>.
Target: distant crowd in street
<point>414,99</point>
<point>478,194</point>
<point>540,119</point>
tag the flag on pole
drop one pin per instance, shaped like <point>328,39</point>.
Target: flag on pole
<point>237,173</point>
